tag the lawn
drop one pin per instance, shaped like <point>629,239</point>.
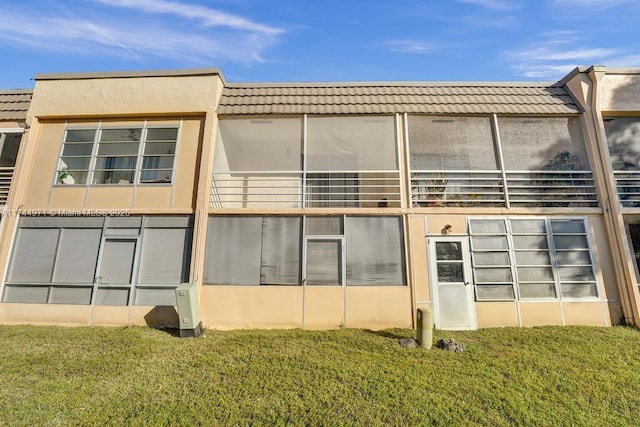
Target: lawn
<point>138,376</point>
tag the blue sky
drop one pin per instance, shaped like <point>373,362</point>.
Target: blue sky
<point>321,40</point>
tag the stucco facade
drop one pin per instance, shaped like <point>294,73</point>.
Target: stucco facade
<point>324,205</point>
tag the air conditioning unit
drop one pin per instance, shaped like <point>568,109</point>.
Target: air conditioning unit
<point>189,310</point>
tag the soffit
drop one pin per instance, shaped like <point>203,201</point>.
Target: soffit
<point>380,98</point>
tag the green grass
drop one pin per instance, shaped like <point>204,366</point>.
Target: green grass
<point>137,376</point>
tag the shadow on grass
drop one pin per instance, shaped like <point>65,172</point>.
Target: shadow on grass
<point>396,335</point>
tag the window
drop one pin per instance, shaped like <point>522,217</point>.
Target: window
<point>330,162</point>
<point>268,250</point>
<point>96,260</point>
<point>623,141</point>
<point>499,161</point>
<point>126,155</point>
<point>9,145</point>
<point>531,259</point>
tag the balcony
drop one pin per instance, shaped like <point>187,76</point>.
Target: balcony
<point>313,189</point>
<point>628,187</point>
<point>433,188</point>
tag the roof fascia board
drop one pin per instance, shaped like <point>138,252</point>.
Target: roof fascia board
<point>131,74</point>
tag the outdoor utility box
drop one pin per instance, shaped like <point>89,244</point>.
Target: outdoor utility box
<point>188,310</point>
<point>424,327</point>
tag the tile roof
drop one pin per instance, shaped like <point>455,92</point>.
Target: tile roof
<point>14,104</point>
<point>367,98</point>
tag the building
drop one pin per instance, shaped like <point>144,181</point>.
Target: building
<point>321,205</point>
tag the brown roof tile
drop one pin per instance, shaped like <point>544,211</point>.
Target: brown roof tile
<point>428,98</point>
<point>14,104</point>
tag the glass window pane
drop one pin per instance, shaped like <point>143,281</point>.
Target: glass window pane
<point>530,242</point>
<point>80,135</point>
<point>495,274</point>
<point>165,256</point>
<point>259,145</point>
<point>375,250</point>
<point>162,134</point>
<point>115,162</point>
<point>534,274</point>
<point>573,257</point>
<point>281,250</point>
<point>117,261</point>
<point>33,255</point>
<point>75,163</point>
<point>491,258</point>
<point>489,242</point>
<point>559,143</point>
<point>112,296</point>
<point>157,162</point>
<point>113,177</point>
<point>121,149</point>
<point>577,274</point>
<point>532,258</point>
<point>323,226</point>
<point>528,226</point>
<point>487,226</point>
<point>26,294</point>
<point>450,272</point>
<point>120,135</point>
<point>537,290</point>
<point>623,139</point>
<point>77,149</point>
<point>324,262</point>
<point>448,251</point>
<point>351,143</point>
<point>571,242</point>
<point>160,148</point>
<point>446,142</point>
<point>71,177</point>
<point>568,226</point>
<point>233,250</point>
<point>495,292</point>
<point>156,176</point>
<point>579,290</point>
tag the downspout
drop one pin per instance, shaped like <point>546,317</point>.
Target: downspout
<point>614,222</point>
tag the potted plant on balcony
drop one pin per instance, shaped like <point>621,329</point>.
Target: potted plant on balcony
<point>436,186</point>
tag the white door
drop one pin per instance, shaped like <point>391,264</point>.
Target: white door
<point>451,283</point>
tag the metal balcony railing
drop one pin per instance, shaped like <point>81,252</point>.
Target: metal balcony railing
<point>544,188</point>
<point>313,189</point>
<point>486,188</point>
<point>6,175</point>
<point>628,187</point>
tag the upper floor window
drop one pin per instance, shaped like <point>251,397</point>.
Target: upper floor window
<point>623,141</point>
<point>331,162</point>
<point>118,155</point>
<point>9,145</point>
<point>498,161</point>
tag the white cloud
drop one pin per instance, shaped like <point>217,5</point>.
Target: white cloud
<point>557,53</point>
<point>547,54</point>
<point>410,46</point>
<point>592,4</point>
<point>207,16</point>
<point>208,35</point>
<point>493,4</point>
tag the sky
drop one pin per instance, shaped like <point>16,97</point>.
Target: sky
<point>319,40</point>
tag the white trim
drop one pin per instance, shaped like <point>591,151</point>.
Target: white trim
<point>11,130</point>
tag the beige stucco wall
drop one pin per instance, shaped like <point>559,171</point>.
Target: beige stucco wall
<point>312,307</point>
<point>603,311</point>
<point>619,93</point>
<point>42,194</point>
<point>84,315</point>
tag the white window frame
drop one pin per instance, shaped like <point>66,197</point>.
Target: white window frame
<point>552,253</point>
<point>144,126</point>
